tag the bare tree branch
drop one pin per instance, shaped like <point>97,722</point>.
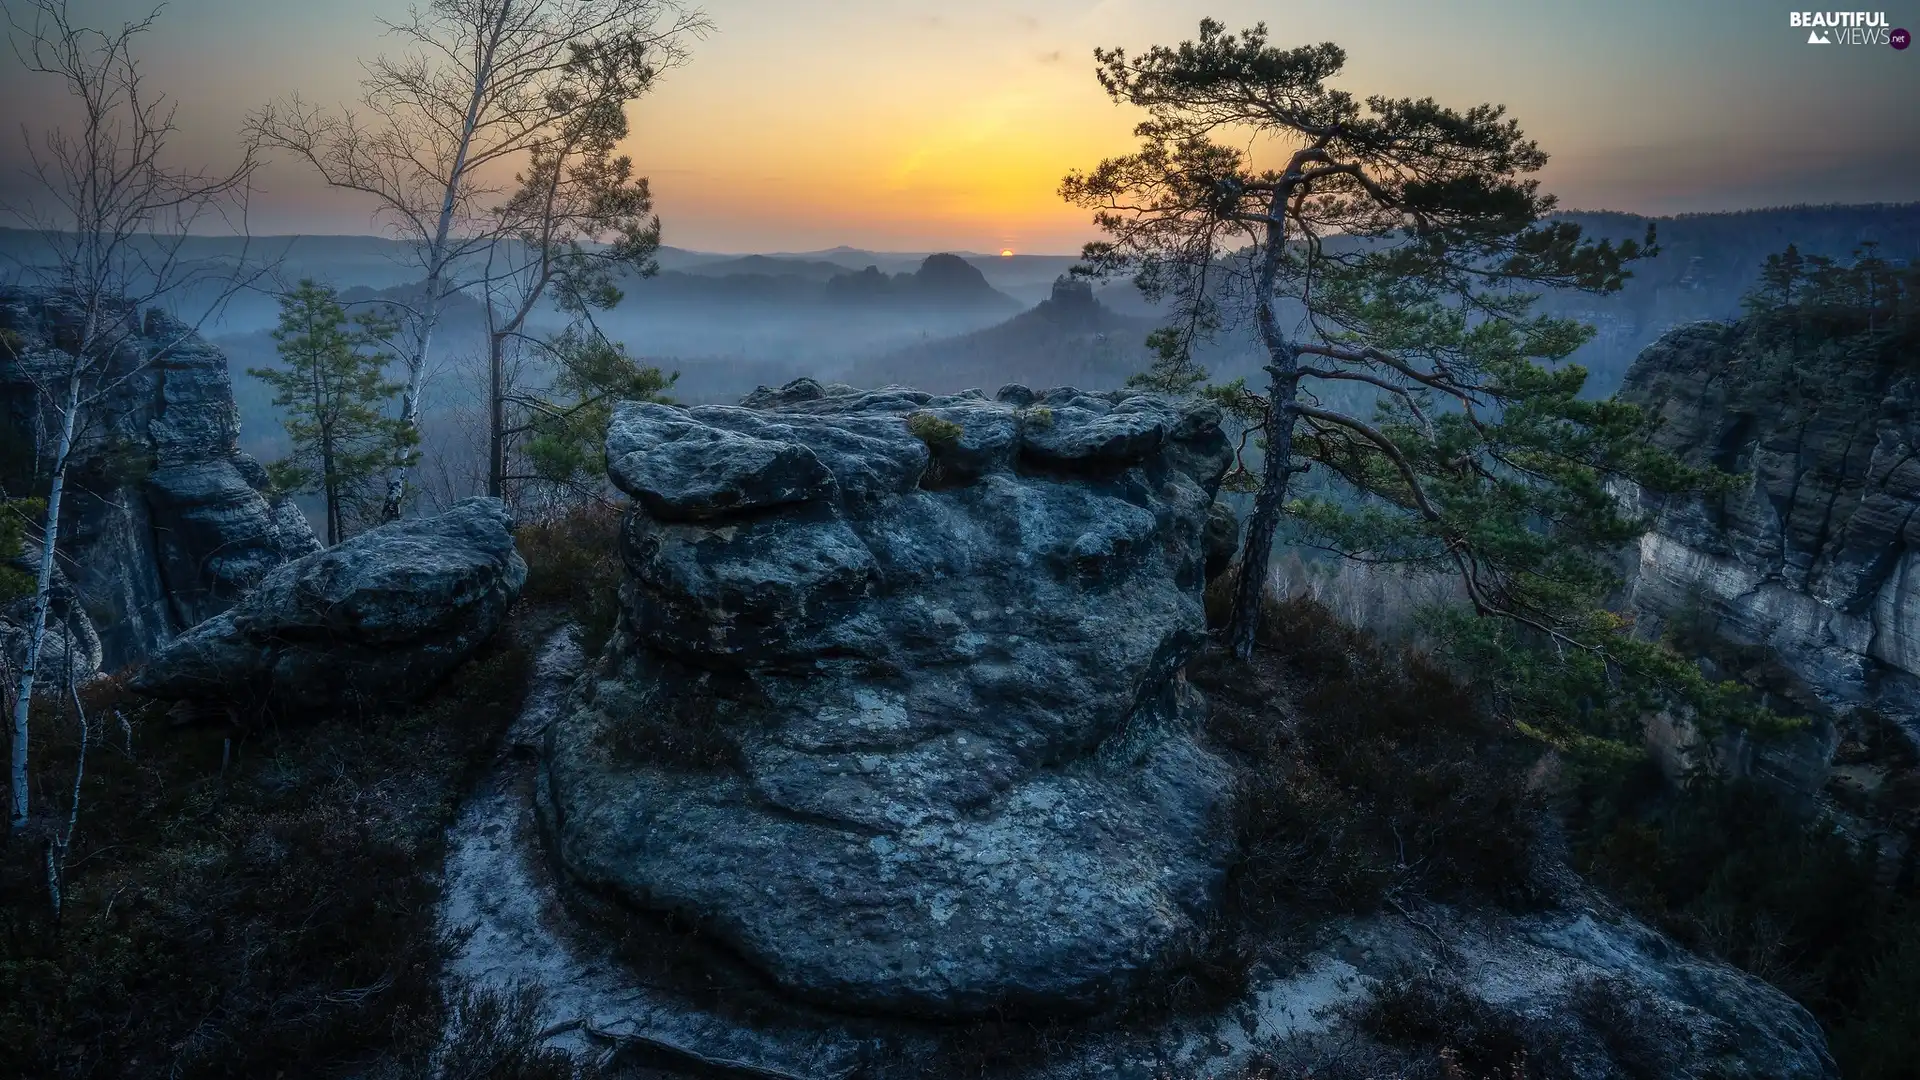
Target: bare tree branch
<point>113,223</point>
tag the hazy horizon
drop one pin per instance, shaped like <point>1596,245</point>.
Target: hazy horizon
<point>918,126</point>
<point>1063,254</point>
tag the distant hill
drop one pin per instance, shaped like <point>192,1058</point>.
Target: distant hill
<point>761,266</point>
<point>818,312</point>
<point>1026,278</point>
<point>1707,263</point>
<point>941,282</point>
<point>1069,339</point>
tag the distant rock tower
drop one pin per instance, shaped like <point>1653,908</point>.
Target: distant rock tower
<point>1072,303</point>
<point>1071,294</point>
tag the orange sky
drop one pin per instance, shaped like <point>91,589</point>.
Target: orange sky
<point>910,125</point>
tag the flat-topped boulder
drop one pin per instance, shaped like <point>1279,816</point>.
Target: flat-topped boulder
<point>894,709</point>
<point>377,620</point>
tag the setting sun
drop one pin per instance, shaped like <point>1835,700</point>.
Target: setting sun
<point>1006,252</point>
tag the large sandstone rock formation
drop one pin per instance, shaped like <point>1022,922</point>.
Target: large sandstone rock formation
<point>377,620</point>
<point>895,712</point>
<point>165,522</point>
<point>894,707</point>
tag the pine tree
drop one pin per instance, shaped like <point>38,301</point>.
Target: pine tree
<point>334,390</point>
<point>578,221</point>
<point>562,442</point>
<point>1388,271</point>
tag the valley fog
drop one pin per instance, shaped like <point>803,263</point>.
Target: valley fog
<point>731,323</point>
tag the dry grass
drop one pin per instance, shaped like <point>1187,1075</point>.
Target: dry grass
<point>573,562</point>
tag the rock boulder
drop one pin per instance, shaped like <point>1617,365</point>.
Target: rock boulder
<point>894,708</point>
<point>377,620</point>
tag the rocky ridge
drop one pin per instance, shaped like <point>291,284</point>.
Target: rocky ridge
<point>165,523</point>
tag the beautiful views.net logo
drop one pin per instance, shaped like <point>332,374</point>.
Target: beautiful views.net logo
<point>1849,28</point>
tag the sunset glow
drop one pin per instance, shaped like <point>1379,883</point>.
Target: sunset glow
<point>909,125</point>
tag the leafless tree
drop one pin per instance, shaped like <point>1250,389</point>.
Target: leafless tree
<point>478,86</point>
<point>112,218</point>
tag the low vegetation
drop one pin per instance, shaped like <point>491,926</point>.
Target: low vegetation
<point>933,431</point>
<point>942,438</point>
<point>239,900</point>
<point>1732,870</point>
<point>257,901</point>
<point>573,562</point>
<point>1368,779</point>
<point>1038,417</point>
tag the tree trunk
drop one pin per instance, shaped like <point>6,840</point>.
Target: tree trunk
<point>42,599</point>
<point>330,484</point>
<point>1283,367</point>
<point>410,399</point>
<point>496,420</point>
<point>324,400</point>
<point>1249,589</point>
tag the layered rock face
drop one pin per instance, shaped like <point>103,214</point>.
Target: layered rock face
<point>377,620</point>
<point>165,522</point>
<point>1814,555</point>
<point>894,709</point>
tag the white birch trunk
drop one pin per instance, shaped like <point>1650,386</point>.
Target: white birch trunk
<point>42,600</point>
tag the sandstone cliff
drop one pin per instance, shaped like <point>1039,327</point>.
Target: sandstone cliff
<point>166,523</point>
<point>1808,570</point>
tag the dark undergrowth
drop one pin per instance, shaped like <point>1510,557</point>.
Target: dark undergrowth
<point>573,562</point>
<point>1733,870</point>
<point>258,901</point>
<point>1612,1022</point>
<point>245,918</point>
<point>1368,778</point>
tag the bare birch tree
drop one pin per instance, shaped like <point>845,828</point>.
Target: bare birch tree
<point>478,86</point>
<point>112,218</point>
